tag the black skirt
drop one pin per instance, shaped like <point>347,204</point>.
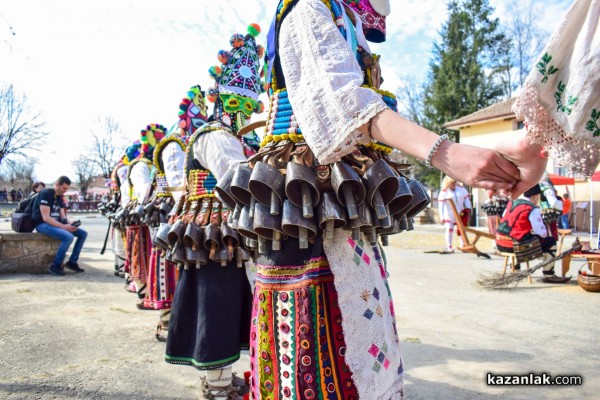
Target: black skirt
<point>210,317</point>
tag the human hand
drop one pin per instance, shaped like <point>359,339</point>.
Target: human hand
<point>69,227</point>
<point>476,167</point>
<point>528,159</point>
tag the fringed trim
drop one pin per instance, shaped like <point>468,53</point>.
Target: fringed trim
<point>577,155</point>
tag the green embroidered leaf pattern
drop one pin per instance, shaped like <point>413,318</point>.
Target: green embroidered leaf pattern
<point>546,71</point>
<point>566,108</point>
<point>592,124</point>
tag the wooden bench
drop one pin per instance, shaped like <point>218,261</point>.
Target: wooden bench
<point>470,246</point>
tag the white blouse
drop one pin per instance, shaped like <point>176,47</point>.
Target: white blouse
<point>140,179</point>
<point>324,81</point>
<point>218,151</point>
<point>173,158</point>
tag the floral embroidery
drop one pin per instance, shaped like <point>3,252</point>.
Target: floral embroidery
<point>546,72</point>
<point>566,108</point>
<point>592,124</point>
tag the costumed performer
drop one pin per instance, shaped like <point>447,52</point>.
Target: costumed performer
<point>462,202</point>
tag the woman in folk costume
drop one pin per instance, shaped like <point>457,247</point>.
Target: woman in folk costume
<point>210,320</point>
<point>323,323</point>
<point>119,199</point>
<point>559,101</point>
<point>462,202</point>
<point>169,161</point>
<point>140,176</point>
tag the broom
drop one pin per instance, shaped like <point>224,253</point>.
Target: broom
<point>500,281</point>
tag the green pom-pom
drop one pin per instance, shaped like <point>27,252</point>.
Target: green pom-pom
<point>254,30</point>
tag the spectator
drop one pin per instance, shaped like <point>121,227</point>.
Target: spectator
<point>565,211</point>
<point>462,203</point>
<point>49,218</point>
<point>13,195</point>
<point>37,187</point>
<point>522,220</point>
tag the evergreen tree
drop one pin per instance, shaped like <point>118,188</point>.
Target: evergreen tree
<point>466,69</point>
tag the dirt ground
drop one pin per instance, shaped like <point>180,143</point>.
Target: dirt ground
<point>81,337</point>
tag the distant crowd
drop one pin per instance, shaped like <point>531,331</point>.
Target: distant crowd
<point>13,195</point>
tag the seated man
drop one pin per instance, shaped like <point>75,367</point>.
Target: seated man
<point>49,218</point>
<point>521,221</point>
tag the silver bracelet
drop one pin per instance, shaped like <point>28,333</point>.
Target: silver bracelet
<point>434,149</point>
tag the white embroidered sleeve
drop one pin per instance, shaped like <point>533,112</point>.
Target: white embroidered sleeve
<point>173,158</point>
<point>324,82</point>
<point>140,178</point>
<point>559,100</point>
<point>218,151</point>
<point>537,223</point>
<point>124,188</point>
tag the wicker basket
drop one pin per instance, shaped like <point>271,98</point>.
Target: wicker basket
<point>591,283</point>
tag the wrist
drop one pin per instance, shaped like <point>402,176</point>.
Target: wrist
<point>439,160</point>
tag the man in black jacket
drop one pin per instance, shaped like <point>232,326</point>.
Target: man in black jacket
<point>49,218</point>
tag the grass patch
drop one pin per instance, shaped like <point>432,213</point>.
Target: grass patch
<point>23,291</point>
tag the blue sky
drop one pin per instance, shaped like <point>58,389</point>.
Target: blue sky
<point>134,60</point>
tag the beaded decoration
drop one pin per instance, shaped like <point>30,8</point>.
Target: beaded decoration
<point>192,111</point>
<point>149,137</point>
<point>237,80</point>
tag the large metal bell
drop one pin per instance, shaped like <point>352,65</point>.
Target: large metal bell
<point>241,256</point>
<point>267,227</point>
<point>295,225</point>
<point>420,198</point>
<point>161,236</point>
<point>370,226</point>
<point>246,228</point>
<point>179,257</point>
<point>348,187</point>
<point>330,213</point>
<point>361,222</point>
<point>301,187</point>
<point>239,184</point>
<point>230,238</point>
<point>193,236</point>
<point>149,208</point>
<point>212,240</point>
<point>175,235</point>
<point>402,198</point>
<point>382,184</point>
<point>192,257</point>
<point>223,189</point>
<point>267,186</point>
<point>138,212</point>
<point>165,208</point>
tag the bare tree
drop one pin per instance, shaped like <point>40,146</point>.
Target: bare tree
<point>107,146</point>
<point>21,128</point>
<point>527,39</point>
<point>410,99</point>
<point>85,172</point>
<point>20,174</point>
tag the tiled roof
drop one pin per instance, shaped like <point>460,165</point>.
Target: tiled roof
<point>495,111</point>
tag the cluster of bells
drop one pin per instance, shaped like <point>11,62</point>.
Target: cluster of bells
<point>192,244</point>
<point>151,214</point>
<point>495,206</point>
<point>550,215</point>
<point>269,207</point>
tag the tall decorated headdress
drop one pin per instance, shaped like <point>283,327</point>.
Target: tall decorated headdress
<point>192,111</point>
<point>149,137</point>
<point>237,79</point>
<point>372,15</point>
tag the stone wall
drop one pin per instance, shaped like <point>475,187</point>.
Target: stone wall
<point>26,252</point>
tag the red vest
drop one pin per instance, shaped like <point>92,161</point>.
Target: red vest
<point>515,222</point>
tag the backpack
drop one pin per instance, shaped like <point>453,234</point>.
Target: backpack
<point>21,219</point>
<point>26,204</point>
